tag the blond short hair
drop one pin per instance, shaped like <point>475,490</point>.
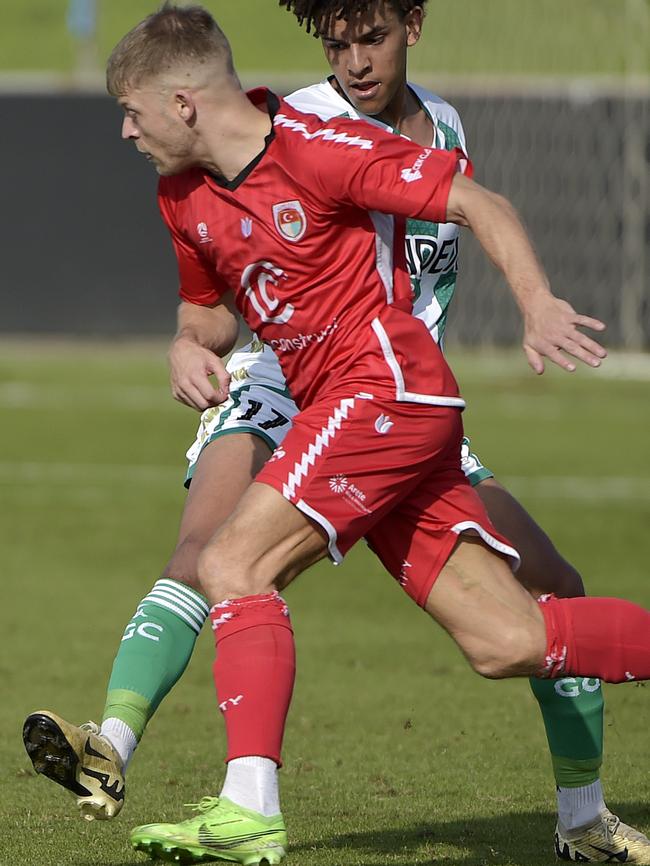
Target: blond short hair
<point>166,40</point>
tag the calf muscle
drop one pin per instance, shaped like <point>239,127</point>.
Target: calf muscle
<point>225,470</point>
<point>542,569</point>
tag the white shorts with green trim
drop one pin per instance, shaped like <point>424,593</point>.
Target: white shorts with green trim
<point>474,470</point>
<point>260,404</point>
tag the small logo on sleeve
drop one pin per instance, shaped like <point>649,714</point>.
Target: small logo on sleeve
<point>246,227</point>
<point>412,173</point>
<point>290,220</point>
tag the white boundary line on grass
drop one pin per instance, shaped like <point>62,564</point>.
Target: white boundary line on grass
<point>483,366</point>
<point>23,395</point>
<point>597,489</point>
<point>47,474</point>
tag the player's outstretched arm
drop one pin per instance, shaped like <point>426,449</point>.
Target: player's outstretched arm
<point>203,334</point>
<point>550,324</point>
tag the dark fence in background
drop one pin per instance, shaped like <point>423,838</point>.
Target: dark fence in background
<point>84,251</point>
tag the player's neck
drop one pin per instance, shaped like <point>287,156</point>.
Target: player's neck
<point>232,142</point>
<point>405,115</point>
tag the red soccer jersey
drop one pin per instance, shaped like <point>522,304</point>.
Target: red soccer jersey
<point>317,267</point>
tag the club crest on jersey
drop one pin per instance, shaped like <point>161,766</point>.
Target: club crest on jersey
<point>290,220</point>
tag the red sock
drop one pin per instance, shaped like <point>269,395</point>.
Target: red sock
<point>254,672</point>
<point>608,638</point>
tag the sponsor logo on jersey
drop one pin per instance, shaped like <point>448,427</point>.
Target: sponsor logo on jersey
<point>426,255</point>
<point>257,281</point>
<point>203,233</point>
<point>383,424</point>
<point>412,173</point>
<point>301,341</point>
<point>290,220</point>
<point>246,227</point>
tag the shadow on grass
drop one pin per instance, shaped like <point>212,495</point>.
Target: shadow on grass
<point>519,839</point>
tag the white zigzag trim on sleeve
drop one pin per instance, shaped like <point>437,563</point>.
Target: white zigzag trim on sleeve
<point>327,133</point>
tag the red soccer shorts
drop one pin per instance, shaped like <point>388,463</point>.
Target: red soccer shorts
<point>389,471</point>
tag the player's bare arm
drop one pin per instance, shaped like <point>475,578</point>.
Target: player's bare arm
<point>550,324</point>
<point>204,333</point>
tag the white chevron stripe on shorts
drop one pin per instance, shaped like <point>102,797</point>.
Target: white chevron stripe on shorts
<point>320,443</point>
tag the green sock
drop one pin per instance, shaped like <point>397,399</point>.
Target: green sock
<point>572,709</point>
<point>155,649</point>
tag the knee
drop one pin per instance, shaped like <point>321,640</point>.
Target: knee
<point>221,576</point>
<point>514,652</point>
<point>183,565</point>
<point>211,574</point>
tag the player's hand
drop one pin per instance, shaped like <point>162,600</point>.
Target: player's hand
<point>551,331</point>
<point>191,366</point>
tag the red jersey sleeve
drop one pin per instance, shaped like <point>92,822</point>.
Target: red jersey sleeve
<point>199,281</point>
<point>385,172</point>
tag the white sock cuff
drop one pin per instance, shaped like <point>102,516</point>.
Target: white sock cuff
<point>578,807</point>
<point>186,603</point>
<point>252,782</point>
<point>121,737</point>
<point>583,795</point>
<point>253,761</point>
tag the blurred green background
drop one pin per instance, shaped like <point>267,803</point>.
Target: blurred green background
<point>532,37</point>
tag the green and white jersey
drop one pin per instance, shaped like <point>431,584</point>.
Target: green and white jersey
<point>431,248</point>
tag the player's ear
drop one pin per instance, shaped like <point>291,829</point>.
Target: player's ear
<point>413,24</point>
<point>185,106</point>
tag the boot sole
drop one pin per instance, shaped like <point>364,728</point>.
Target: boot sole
<point>171,853</point>
<point>51,753</point>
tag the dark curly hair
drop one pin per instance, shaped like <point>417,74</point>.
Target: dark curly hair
<point>317,13</point>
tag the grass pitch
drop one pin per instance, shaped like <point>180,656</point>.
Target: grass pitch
<point>396,754</point>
